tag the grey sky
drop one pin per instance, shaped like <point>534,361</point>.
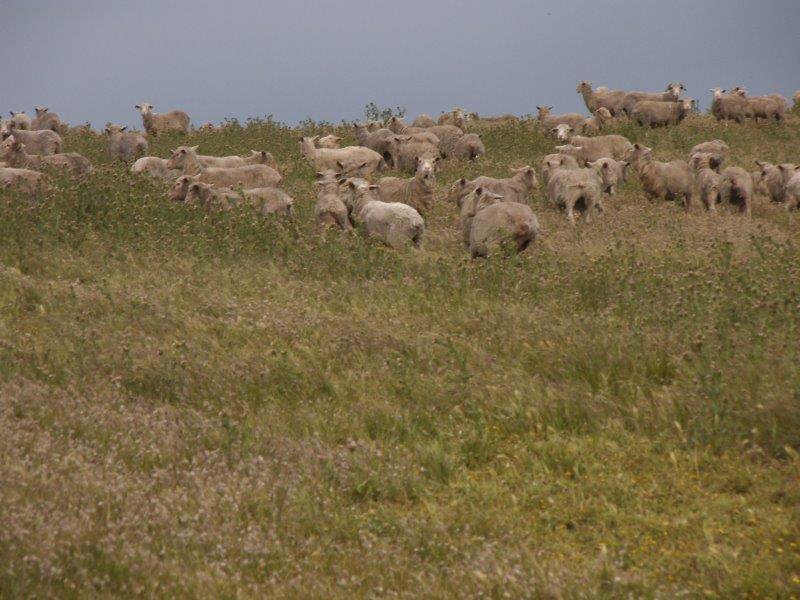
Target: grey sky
<point>94,59</point>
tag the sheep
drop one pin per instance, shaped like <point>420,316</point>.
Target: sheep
<point>662,180</point>
<point>424,136</point>
<point>24,181</point>
<point>547,121</point>
<point>671,94</point>
<point>768,107</point>
<point>330,211</point>
<point>594,125</point>
<point>396,224</point>
<point>256,157</point>
<point>330,142</point>
<point>397,125</point>
<point>21,120</point>
<point>706,160</point>
<point>586,149</point>
<point>613,100</point>
<point>611,173</point>
<point>47,120</point>
<point>731,107</point>
<point>551,162</point>
<point>247,176</point>
<point>774,179</point>
<point>379,141</point>
<point>516,188</point>
<point>417,191</point>
<point>736,187</point>
<point>448,138</point>
<point>575,188</point>
<point>270,201</point>
<point>410,152</point>
<point>455,117</point>
<point>792,196</point>
<point>180,187</point>
<point>265,200</point>
<point>469,146</point>
<point>43,142</point>
<point>210,197</point>
<point>652,113</point>
<point>351,157</point>
<point>155,167</point>
<point>158,123</point>
<point>708,184</point>
<point>423,121</point>
<point>494,220</point>
<point>124,145</point>
<point>14,153</point>
<point>712,147</point>
<point>562,131</point>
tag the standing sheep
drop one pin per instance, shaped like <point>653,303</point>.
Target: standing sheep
<point>469,147</point>
<point>380,141</point>
<point>731,107</point>
<point>736,187</point>
<point>21,120</point>
<point>671,94</point>
<point>448,138</point>
<point>330,211</point>
<point>571,189</point>
<point>43,142</point>
<point>256,157</point>
<point>594,125</point>
<point>770,107</point>
<point>587,150</point>
<point>455,118</point>
<point>13,152</point>
<point>409,152</point>
<point>47,120</point>
<point>613,100</point>
<point>611,173</point>
<point>665,181</point>
<point>708,184</point>
<point>350,158</point>
<point>494,220</point>
<point>516,188</point>
<point>247,176</point>
<point>124,145</point>
<point>158,123</point>
<point>547,121</point>
<point>552,162</point>
<point>774,179</point>
<point>652,113</point>
<point>792,195</point>
<point>417,191</point>
<point>706,160</point>
<point>712,147</point>
<point>396,224</point>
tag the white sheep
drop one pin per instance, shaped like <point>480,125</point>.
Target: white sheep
<point>516,188</point>
<point>394,223</point>
<point>652,113</point>
<point>331,142</point>
<point>708,184</point>
<point>671,94</point>
<point>792,194</point>
<point>247,176</point>
<point>492,220</point>
<point>417,191</point>
<point>155,167</point>
<point>731,107</point>
<point>42,142</point>
<point>594,124</point>
<point>21,120</point>
<point>13,152</point>
<point>586,149</point>
<point>352,157</point>
<point>330,210</point>
<point>611,173</point>
<point>158,123</point>
<point>469,147</point>
<point>548,121</point>
<point>666,181</point>
<point>125,145</point>
<point>736,187</point>
<point>423,121</point>
<point>24,181</point>
<point>576,189</point>
<point>551,162</point>
<point>47,120</point>
<point>613,100</point>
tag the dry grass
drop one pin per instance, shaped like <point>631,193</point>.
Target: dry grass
<point>216,405</point>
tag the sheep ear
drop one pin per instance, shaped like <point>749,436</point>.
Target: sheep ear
<point>351,185</point>
<point>373,187</point>
<point>340,165</point>
<point>479,191</point>
<point>137,106</point>
<point>362,165</point>
<point>123,128</point>
<point>194,148</point>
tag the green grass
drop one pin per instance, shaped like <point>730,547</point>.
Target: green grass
<point>206,405</point>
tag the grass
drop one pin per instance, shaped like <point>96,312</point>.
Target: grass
<point>203,405</point>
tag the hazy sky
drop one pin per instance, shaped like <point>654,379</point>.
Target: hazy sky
<point>94,59</point>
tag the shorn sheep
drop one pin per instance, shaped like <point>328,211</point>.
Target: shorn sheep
<point>396,224</point>
<point>158,123</point>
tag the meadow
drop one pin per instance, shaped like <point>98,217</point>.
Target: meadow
<point>221,405</point>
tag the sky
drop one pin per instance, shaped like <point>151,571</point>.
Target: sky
<point>93,60</point>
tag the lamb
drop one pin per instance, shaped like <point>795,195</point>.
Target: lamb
<point>736,187</point>
<point>349,158</point>
<point>124,145</point>
<point>613,100</point>
<point>21,120</point>
<point>417,191</point>
<point>548,121</point>
<point>396,224</point>
<point>662,180</point>
<point>455,117</point>
<point>330,211</point>
<point>13,152</point>
<point>423,121</point>
<point>586,149</point>
<point>158,123</point>
<point>611,173</point>
<point>247,176</point>
<point>652,113</point>
<point>671,94</point>
<point>712,147</point>
<point>594,125</point>
<point>380,141</point>
<point>708,184</point>
<point>731,107</point>
<point>24,181</point>
<point>410,152</point>
<point>793,191</point>
<point>706,160</point>
<point>494,220</point>
<point>469,146</point>
<point>774,179</point>
<point>516,188</point>
<point>575,188</point>
<point>552,162</point>
<point>155,167</point>
<point>256,157</point>
<point>330,142</point>
<point>43,142</point>
<point>47,120</point>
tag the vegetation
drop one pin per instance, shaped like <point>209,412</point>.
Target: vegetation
<point>206,405</point>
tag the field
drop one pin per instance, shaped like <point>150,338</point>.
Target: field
<point>216,405</point>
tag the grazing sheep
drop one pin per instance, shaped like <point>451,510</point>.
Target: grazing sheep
<point>552,162</point>
<point>736,187</point>
<point>547,121</point>
<point>712,147</point>
<point>247,176</point>
<point>792,195</point>
<point>47,120</point>
<point>13,152</point>
<point>256,157</point>
<point>562,132</point>
<point>155,167</point>
<point>594,125</point>
<point>410,152</point>
<point>423,121</point>
<point>613,100</point>
<point>469,146</point>
<point>396,224</point>
<point>671,94</point>
<point>124,145</point>
<point>330,142</point>
<point>24,181</point>
<point>417,191</point>
<point>455,117</point>
<point>774,179</point>
<point>666,181</point>
<point>21,120</point>
<point>44,142</point>
<point>611,173</point>
<point>158,123</point>
<point>380,141</point>
<point>493,220</point>
<point>342,159</point>
<point>330,211</point>
<point>708,184</point>
<point>572,189</point>
<point>586,150</point>
<point>731,107</point>
<point>652,113</point>
<point>706,160</point>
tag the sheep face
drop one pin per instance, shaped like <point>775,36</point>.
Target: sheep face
<point>112,129</point>
<point>180,188</point>
<point>562,131</point>
<point>145,108</point>
<point>178,158</point>
<point>544,111</point>
<point>584,86</point>
<point>426,170</point>
<point>675,89</point>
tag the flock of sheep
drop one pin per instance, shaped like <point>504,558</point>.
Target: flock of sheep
<point>589,167</point>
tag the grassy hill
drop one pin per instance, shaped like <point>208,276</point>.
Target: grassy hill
<point>207,405</point>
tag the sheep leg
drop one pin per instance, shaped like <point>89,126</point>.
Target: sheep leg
<point>395,238</point>
<point>571,212</point>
